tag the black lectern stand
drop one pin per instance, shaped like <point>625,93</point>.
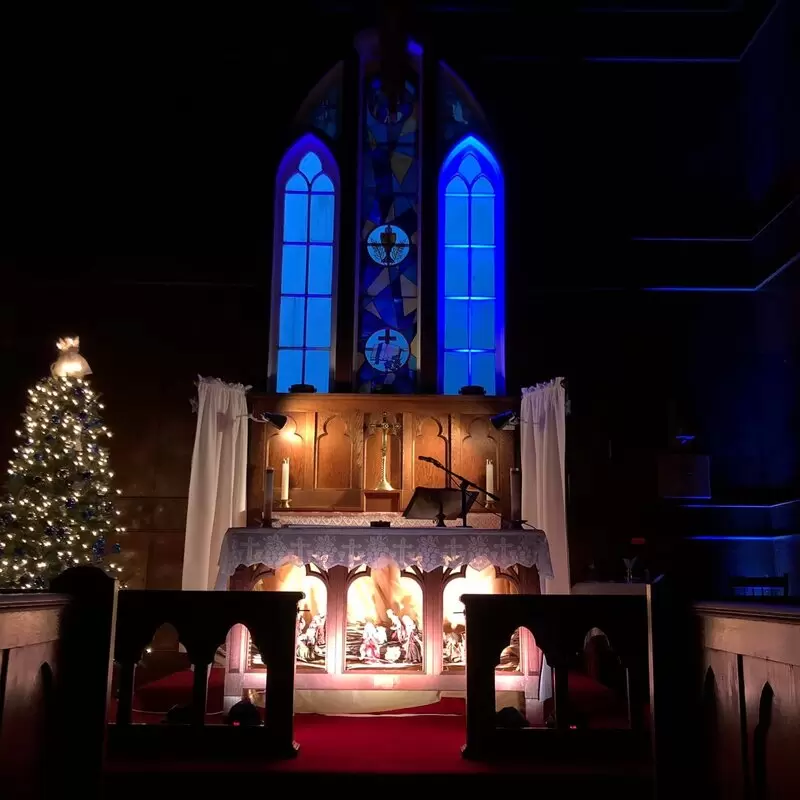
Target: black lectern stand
<point>439,504</point>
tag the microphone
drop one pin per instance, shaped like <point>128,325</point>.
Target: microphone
<point>431,460</point>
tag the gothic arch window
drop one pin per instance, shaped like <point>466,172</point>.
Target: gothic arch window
<point>305,266</point>
<point>471,269</point>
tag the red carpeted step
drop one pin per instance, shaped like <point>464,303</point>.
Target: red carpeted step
<point>176,689</point>
<point>451,706</point>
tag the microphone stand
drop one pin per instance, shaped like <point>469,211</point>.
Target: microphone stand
<point>463,485</point>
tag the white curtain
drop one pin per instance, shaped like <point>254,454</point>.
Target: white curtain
<point>218,484</point>
<point>544,495</point>
<point>542,445</point>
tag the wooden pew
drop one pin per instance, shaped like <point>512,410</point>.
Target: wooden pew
<point>202,620</point>
<point>55,651</point>
<point>749,683</point>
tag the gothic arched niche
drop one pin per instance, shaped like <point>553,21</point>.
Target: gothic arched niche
<point>312,613</point>
<point>429,440</point>
<point>334,455</point>
<point>288,443</point>
<point>468,580</point>
<point>479,446</point>
<point>384,620</point>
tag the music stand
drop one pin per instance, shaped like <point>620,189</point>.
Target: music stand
<point>438,504</point>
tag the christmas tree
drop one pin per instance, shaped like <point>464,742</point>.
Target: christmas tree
<point>59,511</point>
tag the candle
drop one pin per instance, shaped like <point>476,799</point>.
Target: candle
<point>489,477</point>
<point>285,479</point>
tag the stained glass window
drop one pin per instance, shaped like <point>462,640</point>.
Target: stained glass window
<point>388,255</point>
<point>306,219</point>
<point>471,269</point>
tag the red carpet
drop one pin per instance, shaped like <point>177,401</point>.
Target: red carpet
<point>427,742</point>
<point>598,705</point>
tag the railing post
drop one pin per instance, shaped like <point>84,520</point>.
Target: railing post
<point>125,688</point>
<point>481,660</point>
<point>84,678</point>
<point>277,641</point>
<point>199,693</point>
<point>561,697</point>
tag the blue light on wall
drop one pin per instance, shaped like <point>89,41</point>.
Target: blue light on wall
<point>306,220</point>
<point>471,269</point>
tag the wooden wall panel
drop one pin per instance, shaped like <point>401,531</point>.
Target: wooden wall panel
<point>431,438</point>
<point>772,699</point>
<point>334,456</point>
<point>751,693</point>
<point>479,443</point>
<point>721,715</point>
<point>290,443</point>
<point>334,453</point>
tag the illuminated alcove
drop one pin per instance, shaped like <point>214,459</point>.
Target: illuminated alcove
<point>384,621</point>
<point>312,614</point>
<point>472,581</point>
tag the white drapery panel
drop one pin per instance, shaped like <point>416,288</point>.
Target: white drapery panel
<point>542,449</point>
<point>218,484</point>
<point>544,495</point>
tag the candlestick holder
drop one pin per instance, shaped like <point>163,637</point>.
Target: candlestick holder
<point>284,504</point>
<point>489,503</point>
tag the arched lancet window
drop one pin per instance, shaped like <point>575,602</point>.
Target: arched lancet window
<point>304,271</point>
<point>471,269</point>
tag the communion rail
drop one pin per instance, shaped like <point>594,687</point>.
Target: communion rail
<point>559,624</point>
<point>202,621</point>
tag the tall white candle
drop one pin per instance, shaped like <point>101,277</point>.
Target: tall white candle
<point>489,476</point>
<point>285,479</point>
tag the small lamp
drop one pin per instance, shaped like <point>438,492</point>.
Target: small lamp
<point>505,421</point>
<point>70,363</point>
<point>278,420</point>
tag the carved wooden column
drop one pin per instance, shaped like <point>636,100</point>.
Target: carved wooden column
<point>433,614</point>
<point>337,620</point>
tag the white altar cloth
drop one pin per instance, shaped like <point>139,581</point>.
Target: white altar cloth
<point>424,547</point>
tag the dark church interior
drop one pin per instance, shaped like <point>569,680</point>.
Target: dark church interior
<point>644,162</point>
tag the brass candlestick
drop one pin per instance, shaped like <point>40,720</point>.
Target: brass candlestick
<point>385,427</point>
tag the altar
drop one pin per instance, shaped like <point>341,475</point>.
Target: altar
<point>382,608</point>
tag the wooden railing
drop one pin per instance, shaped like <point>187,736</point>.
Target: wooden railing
<point>55,668</point>
<point>57,650</point>
<point>202,621</point>
<point>750,687</point>
<point>559,624</point>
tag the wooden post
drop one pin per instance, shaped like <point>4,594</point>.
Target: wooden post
<point>125,688</point>
<point>199,694</point>
<point>277,642</point>
<point>84,679</point>
<point>483,643</point>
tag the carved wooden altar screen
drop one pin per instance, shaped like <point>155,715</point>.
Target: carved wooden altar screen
<point>335,460</point>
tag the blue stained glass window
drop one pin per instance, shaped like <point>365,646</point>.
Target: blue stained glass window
<point>305,252</point>
<point>387,337</point>
<point>471,267</point>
